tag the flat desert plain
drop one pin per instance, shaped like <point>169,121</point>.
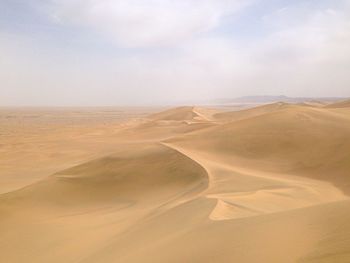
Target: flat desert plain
<point>187,184</point>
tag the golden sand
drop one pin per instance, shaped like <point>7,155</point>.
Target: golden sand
<point>189,184</point>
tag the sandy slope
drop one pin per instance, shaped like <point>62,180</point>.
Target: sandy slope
<point>100,198</point>
<point>242,192</point>
<point>302,141</point>
<point>340,104</point>
<point>267,184</point>
<point>36,142</point>
<point>251,112</point>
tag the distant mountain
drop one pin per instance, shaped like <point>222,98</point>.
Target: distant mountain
<point>271,99</point>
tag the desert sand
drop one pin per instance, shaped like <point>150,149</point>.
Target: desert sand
<point>186,184</point>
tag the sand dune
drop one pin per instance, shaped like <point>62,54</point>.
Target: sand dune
<point>136,173</point>
<point>340,104</point>
<point>242,192</point>
<point>169,123</point>
<point>179,114</point>
<point>266,184</point>
<point>300,140</point>
<point>36,142</point>
<point>252,112</point>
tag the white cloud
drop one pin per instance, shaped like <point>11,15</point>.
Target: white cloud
<point>303,51</point>
<point>308,37</point>
<point>306,51</point>
<point>140,23</point>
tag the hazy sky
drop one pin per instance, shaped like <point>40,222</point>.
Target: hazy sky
<point>110,52</point>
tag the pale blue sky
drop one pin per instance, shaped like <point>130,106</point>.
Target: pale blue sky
<point>112,52</point>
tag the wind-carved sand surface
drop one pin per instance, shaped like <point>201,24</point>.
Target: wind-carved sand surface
<point>188,184</point>
<point>242,192</point>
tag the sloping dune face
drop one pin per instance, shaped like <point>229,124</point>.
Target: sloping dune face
<point>267,184</point>
<point>170,123</point>
<point>269,159</point>
<point>136,174</point>
<point>98,199</point>
<point>340,104</point>
<point>298,140</point>
<point>178,114</point>
<point>252,112</point>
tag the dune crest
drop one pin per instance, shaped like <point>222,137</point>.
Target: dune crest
<point>340,104</point>
<point>242,192</point>
<point>190,184</point>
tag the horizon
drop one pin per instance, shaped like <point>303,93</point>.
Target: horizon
<point>234,101</point>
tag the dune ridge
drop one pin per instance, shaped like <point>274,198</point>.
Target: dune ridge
<point>272,193</point>
<point>339,104</point>
<point>265,184</point>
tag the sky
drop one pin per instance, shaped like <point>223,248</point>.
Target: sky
<point>144,52</point>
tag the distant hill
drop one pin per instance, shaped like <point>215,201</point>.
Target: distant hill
<point>271,99</point>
